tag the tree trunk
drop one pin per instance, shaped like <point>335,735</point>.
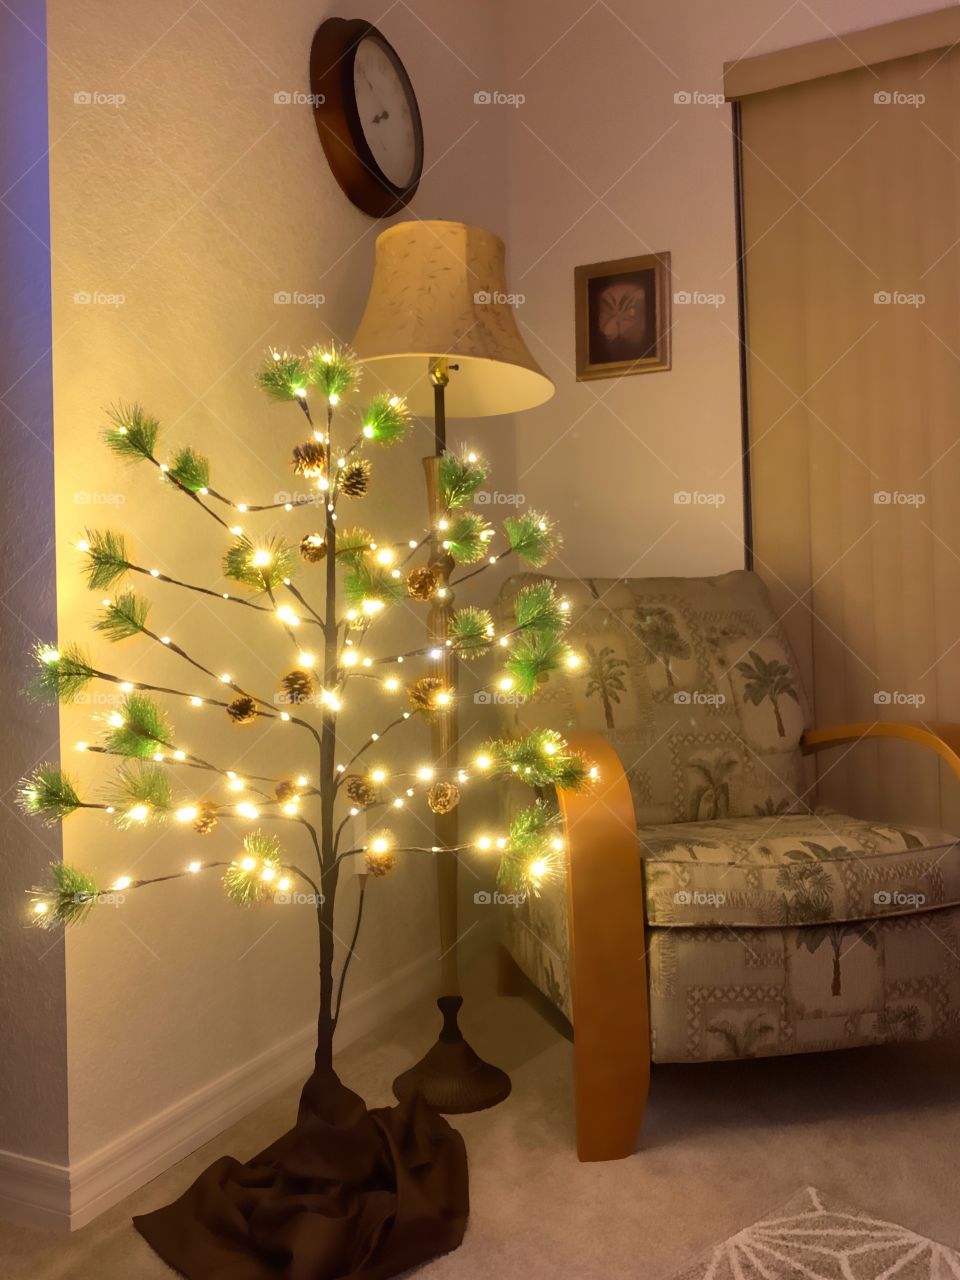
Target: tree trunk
<point>327,786</point>
<point>836,988</point>
<point>325,1023</point>
<point>607,708</point>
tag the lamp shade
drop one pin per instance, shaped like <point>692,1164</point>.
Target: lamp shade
<point>440,290</point>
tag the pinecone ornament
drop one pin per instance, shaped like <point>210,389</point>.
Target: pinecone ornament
<point>423,693</point>
<point>298,686</point>
<point>355,478</point>
<point>313,547</point>
<point>378,864</point>
<point>206,818</point>
<point>443,797</point>
<point>309,460</point>
<point>422,583</point>
<point>242,710</point>
<point>359,790</point>
<point>285,791</point>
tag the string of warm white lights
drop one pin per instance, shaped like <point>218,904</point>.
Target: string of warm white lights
<point>361,579</point>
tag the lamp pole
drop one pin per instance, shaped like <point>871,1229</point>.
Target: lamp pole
<point>450,1076</point>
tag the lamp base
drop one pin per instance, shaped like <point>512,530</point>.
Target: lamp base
<point>450,1076</point>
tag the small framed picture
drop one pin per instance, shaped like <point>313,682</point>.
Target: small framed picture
<point>623,316</point>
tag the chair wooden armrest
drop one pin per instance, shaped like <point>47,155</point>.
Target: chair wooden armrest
<point>942,737</point>
<point>611,1019</point>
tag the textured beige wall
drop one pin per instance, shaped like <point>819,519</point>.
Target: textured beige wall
<point>605,164</point>
<point>196,199</point>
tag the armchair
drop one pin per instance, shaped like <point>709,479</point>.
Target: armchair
<point>707,911</point>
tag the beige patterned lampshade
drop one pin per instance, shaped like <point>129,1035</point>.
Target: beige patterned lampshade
<point>440,289</point>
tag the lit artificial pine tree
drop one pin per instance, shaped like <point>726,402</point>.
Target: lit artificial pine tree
<point>347,1191</point>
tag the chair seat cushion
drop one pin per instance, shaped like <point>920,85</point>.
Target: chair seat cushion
<point>795,869</point>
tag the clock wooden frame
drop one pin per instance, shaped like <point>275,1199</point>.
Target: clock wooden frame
<point>337,117</point>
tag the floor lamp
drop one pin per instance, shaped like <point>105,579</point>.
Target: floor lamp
<point>440,327</point>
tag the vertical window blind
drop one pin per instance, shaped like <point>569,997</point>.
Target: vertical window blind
<point>850,169</point>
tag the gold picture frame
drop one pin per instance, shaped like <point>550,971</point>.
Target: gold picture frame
<point>622,316</point>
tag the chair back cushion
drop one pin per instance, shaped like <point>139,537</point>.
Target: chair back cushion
<point>694,683</point>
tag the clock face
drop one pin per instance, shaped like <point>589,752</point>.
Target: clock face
<point>387,109</point>
<point>366,114</point>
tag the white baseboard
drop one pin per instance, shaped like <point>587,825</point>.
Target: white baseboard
<point>34,1192</point>
<point>65,1197</point>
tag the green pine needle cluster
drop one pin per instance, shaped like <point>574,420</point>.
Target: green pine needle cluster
<point>461,475</point>
<point>246,885</point>
<point>466,537</point>
<point>144,730</point>
<point>106,558</point>
<point>533,537</point>
<point>47,793</point>
<point>68,899</point>
<point>240,562</point>
<point>532,659</point>
<point>123,617</point>
<point>62,674</point>
<point>332,370</point>
<point>534,849</point>
<point>386,419</point>
<point>541,759</point>
<point>366,582</point>
<point>353,545</point>
<point>140,794</point>
<point>133,433</point>
<point>537,609</point>
<point>283,377</point>
<point>190,469</point>
<point>471,630</point>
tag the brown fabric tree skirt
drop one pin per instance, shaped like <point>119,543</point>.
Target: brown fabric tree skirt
<point>346,1194</point>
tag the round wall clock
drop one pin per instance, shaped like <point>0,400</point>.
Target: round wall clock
<point>367,115</point>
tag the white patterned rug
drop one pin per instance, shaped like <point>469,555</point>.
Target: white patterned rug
<point>814,1237</point>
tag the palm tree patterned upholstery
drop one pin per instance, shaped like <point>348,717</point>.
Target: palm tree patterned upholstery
<point>773,926</point>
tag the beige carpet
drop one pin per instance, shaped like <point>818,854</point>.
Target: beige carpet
<point>723,1145</point>
<point>814,1237</point>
